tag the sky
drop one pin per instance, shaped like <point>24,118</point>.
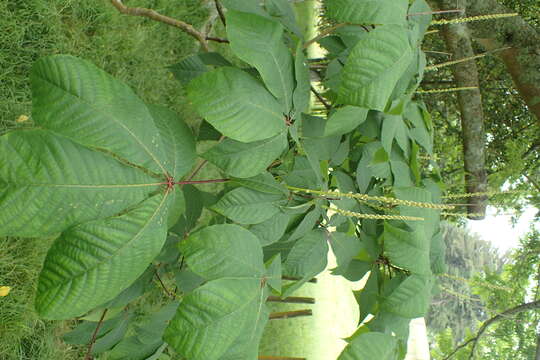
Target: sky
<point>498,228</point>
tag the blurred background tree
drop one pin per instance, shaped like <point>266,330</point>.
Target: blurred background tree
<point>510,100</point>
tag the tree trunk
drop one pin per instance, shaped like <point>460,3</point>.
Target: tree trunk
<point>458,42</point>
<point>522,59</point>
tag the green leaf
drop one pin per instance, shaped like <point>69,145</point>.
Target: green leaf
<point>246,206</point>
<point>305,226</point>
<point>273,272</point>
<point>407,250</point>
<point>412,297</point>
<point>374,66</point>
<point>210,319</point>
<point>74,98</point>
<point>253,7</point>
<point>420,131</point>
<point>93,262</point>
<point>82,333</point>
<point>423,21</point>
<point>437,254</point>
<point>237,105</point>
<point>271,230</point>
<point>195,203</point>
<point>374,163</point>
<point>345,248</point>
<point>40,170</point>
<point>396,325</point>
<point>187,280</point>
<point>356,270</point>
<point>265,183</point>
<point>302,92</point>
<point>259,42</point>
<point>393,127</point>
<point>113,337</point>
<point>371,345</point>
<point>226,314</point>
<point>302,175</point>
<point>247,347</point>
<point>139,287</point>
<point>244,160</point>
<point>283,11</point>
<point>374,12</point>
<point>307,258</point>
<point>177,139</point>
<point>223,251</point>
<point>345,120</point>
<point>401,172</point>
<point>195,65</point>
<point>368,296</point>
<point>430,225</point>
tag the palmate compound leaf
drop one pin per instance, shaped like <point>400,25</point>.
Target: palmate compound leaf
<point>259,41</point>
<point>374,66</point>
<point>94,170</point>
<point>237,105</point>
<point>224,317</point>
<point>91,263</point>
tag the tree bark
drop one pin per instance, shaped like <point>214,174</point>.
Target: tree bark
<point>458,42</point>
<point>522,59</point>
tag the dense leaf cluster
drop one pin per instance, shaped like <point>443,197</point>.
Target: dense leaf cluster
<point>108,173</point>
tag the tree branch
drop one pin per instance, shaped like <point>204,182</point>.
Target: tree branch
<point>321,99</point>
<point>504,315</point>
<point>323,33</point>
<point>154,15</point>
<point>292,300</point>
<point>290,314</point>
<point>216,39</point>
<point>88,355</point>
<point>219,9</point>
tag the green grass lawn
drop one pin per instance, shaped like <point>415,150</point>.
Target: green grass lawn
<point>135,50</point>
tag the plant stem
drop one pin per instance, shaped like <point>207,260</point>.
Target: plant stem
<point>314,280</point>
<point>171,295</point>
<point>154,15</point>
<point>290,314</point>
<point>216,39</point>
<point>88,355</point>
<point>323,34</point>
<point>292,300</point>
<point>219,9</point>
<point>201,164</point>
<point>321,99</point>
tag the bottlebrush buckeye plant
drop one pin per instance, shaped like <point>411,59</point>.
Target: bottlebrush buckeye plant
<point>107,175</point>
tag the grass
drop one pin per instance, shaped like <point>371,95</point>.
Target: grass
<point>136,51</point>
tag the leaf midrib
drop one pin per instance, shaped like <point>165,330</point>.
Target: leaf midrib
<point>115,252</point>
<point>137,140</point>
